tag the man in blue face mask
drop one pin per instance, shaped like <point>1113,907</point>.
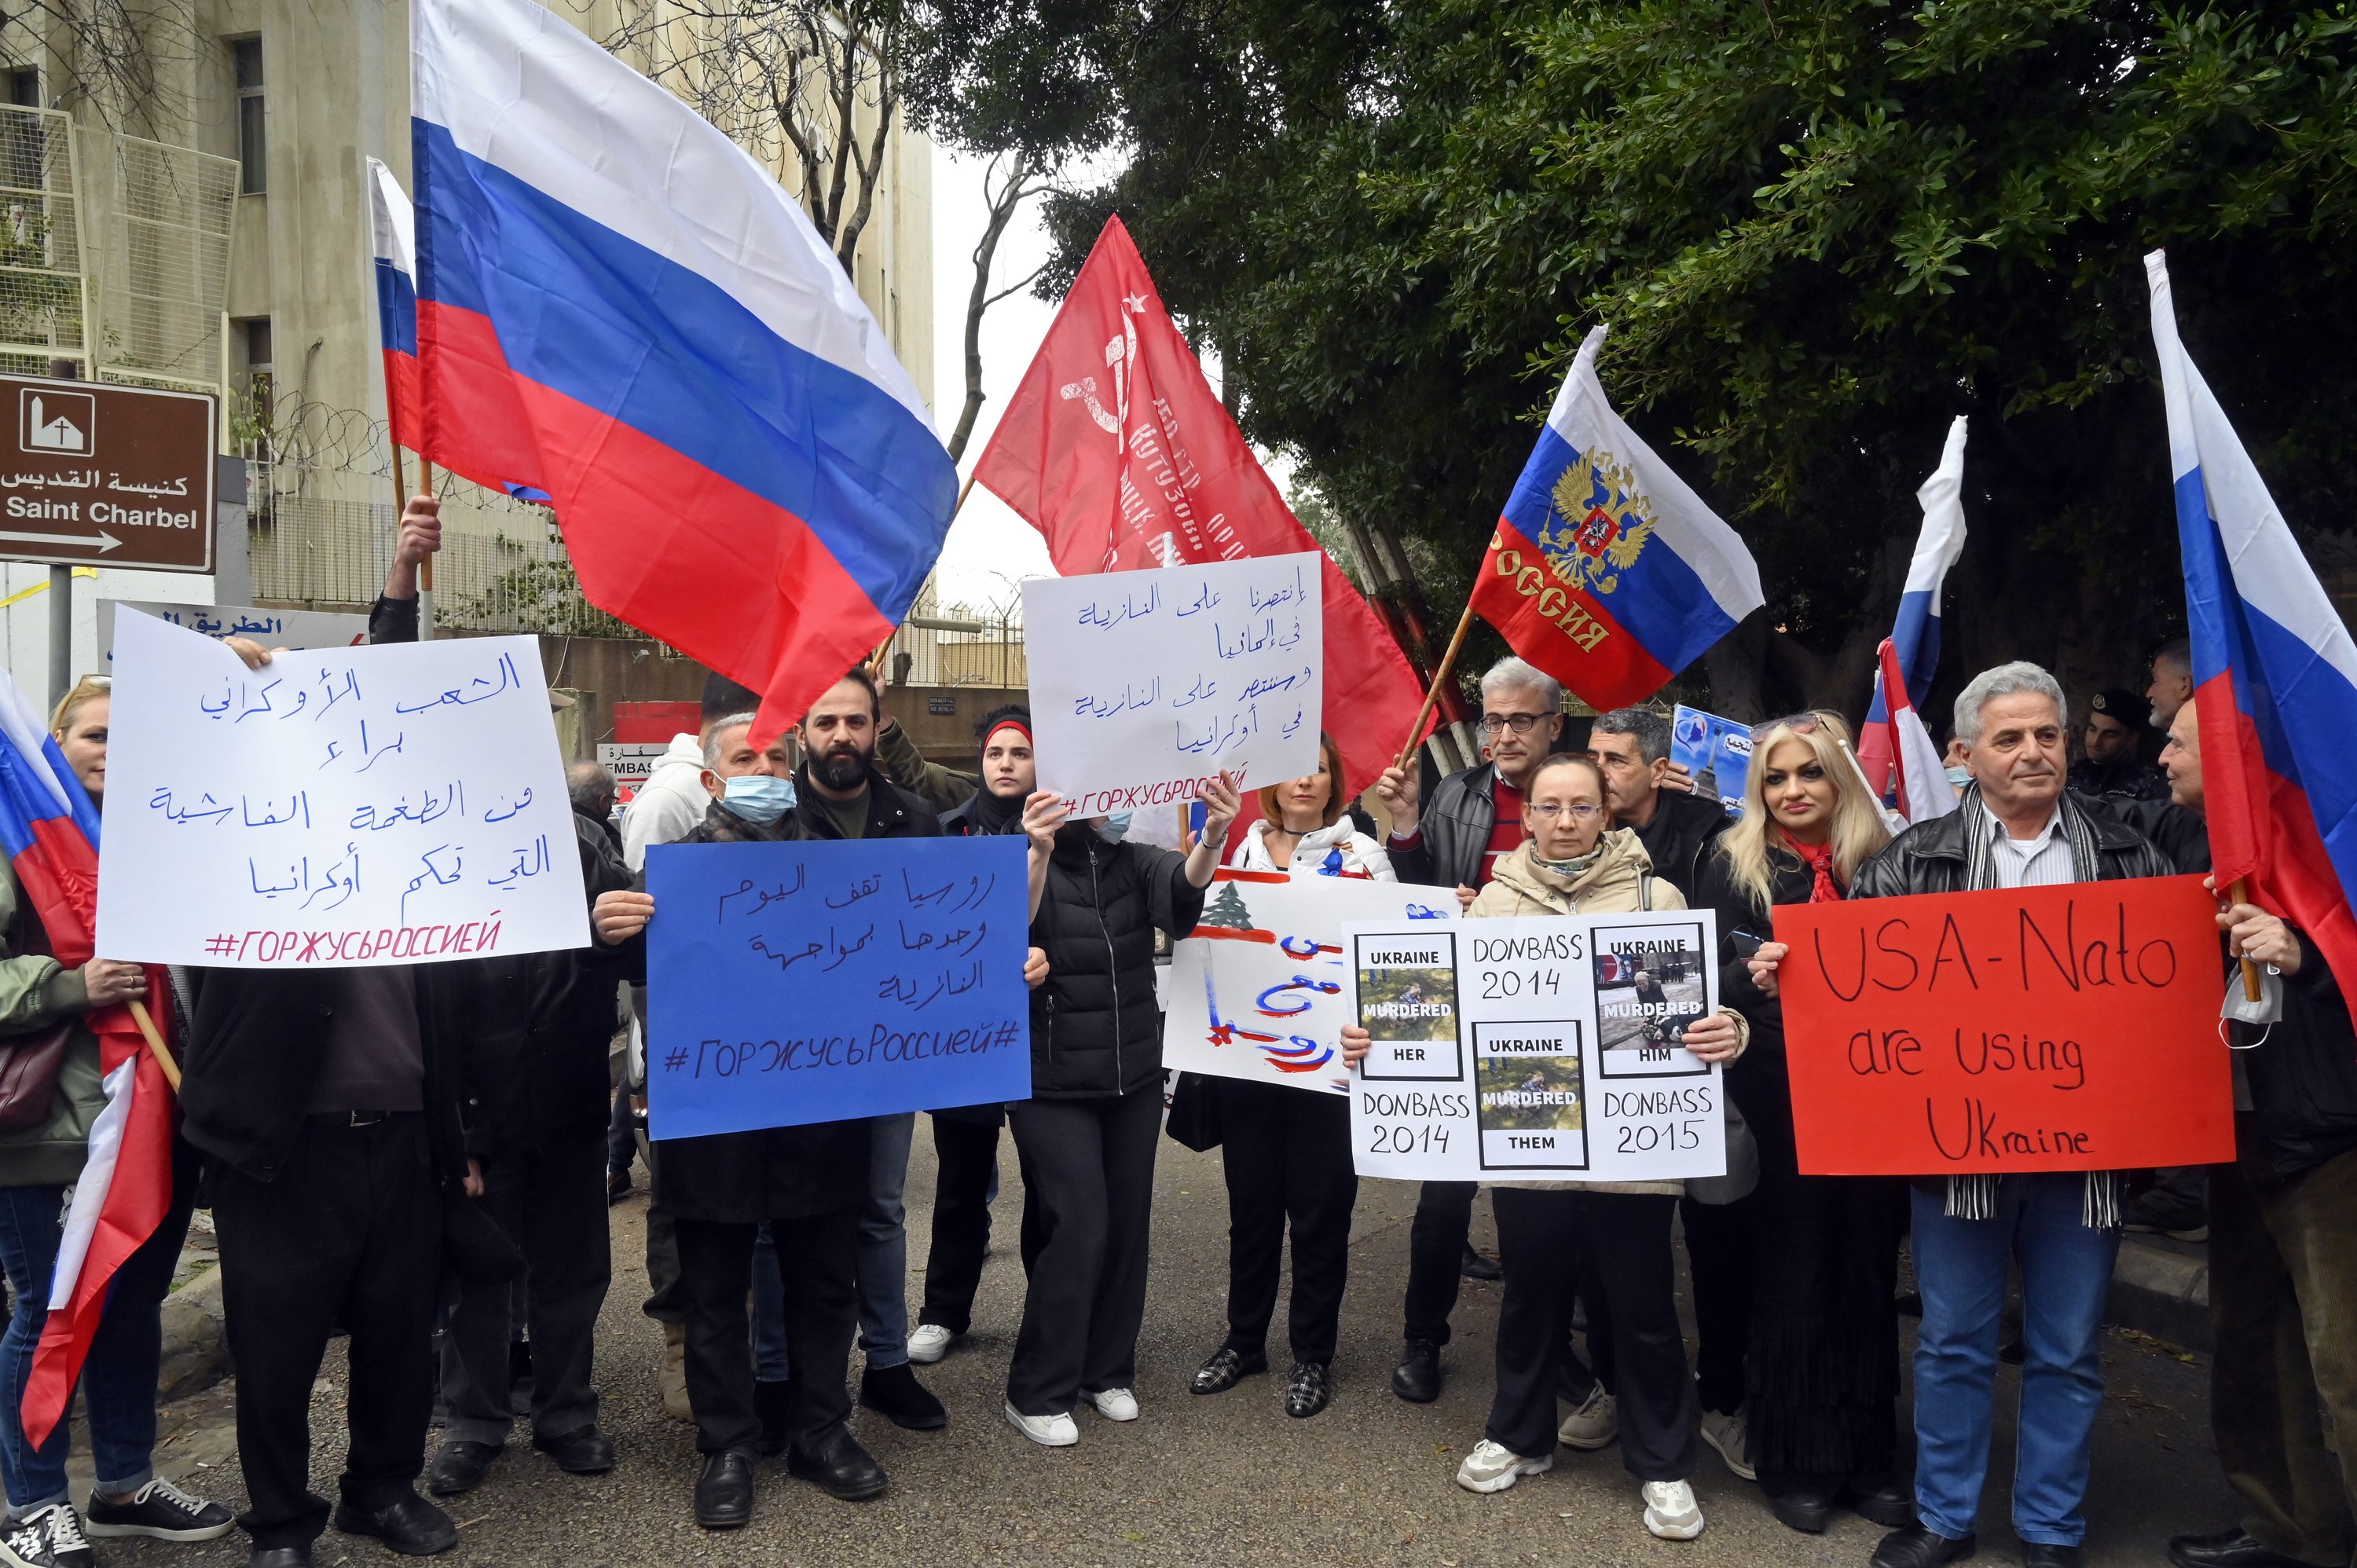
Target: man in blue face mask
<point>829,1193</point>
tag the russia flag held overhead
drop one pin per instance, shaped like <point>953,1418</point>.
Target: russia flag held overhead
<point>2275,671</point>
<point>619,306</point>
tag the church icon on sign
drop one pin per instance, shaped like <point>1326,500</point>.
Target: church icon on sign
<point>56,422</point>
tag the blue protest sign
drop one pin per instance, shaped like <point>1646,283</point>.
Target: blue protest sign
<point>816,980</point>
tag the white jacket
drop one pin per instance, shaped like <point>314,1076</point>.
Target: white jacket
<point>1328,851</point>
<point>670,805</point>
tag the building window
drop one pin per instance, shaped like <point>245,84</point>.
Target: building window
<point>257,414</point>
<point>25,85</point>
<point>252,151</point>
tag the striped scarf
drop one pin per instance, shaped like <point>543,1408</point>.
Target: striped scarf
<point>1975,1196</point>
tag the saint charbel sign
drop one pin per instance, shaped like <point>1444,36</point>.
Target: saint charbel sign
<point>121,476</point>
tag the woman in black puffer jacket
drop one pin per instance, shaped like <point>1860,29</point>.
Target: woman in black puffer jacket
<point>1087,1135</point>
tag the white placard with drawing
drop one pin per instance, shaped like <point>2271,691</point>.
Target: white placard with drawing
<point>396,804</point>
<point>1146,683</point>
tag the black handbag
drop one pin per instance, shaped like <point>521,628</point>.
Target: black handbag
<point>1193,1120</point>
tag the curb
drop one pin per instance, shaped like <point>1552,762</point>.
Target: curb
<point>2162,1290</point>
<point>196,1345</point>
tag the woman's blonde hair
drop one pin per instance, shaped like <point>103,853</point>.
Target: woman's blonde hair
<point>84,690</point>
<point>1330,757</point>
<point>1858,829</point>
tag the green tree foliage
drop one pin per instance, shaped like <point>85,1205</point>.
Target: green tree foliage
<point>1818,230</point>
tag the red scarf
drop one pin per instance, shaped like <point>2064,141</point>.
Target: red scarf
<point>1820,862</point>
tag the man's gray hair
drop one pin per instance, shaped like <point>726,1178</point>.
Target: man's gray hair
<point>591,786</point>
<point>1512,674</point>
<point>2006,680</point>
<point>2177,655</point>
<point>712,736</point>
<point>1650,730</point>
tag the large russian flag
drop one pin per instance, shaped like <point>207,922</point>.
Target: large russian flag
<point>393,233</point>
<point>619,306</point>
<point>1606,571</point>
<point>2275,671</point>
<point>1915,634</point>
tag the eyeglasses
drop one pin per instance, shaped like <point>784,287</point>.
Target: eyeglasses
<point>1798,724</point>
<point>1577,810</point>
<point>1491,724</point>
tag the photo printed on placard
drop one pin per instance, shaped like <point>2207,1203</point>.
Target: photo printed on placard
<point>1649,984</point>
<point>1407,1001</point>
<point>1530,1098</point>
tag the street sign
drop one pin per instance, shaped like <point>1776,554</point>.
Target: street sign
<point>630,762</point>
<point>273,628</point>
<point>94,473</point>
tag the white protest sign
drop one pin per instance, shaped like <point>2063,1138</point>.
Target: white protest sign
<point>271,629</point>
<point>364,805</point>
<point>1256,992</point>
<point>1537,1050</point>
<point>1144,684</point>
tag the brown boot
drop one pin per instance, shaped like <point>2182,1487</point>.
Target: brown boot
<point>674,1372</point>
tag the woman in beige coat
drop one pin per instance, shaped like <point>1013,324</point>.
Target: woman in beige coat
<point>1571,865</point>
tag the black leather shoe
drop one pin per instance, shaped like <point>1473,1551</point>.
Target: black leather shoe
<point>1309,1390</point>
<point>1916,1547</point>
<point>583,1451</point>
<point>2035,1555</point>
<point>842,1469</point>
<point>1478,1267</point>
<point>413,1527</point>
<point>459,1466</point>
<point>724,1493</point>
<point>1889,1505</point>
<point>2234,1547</point>
<point>1806,1511</point>
<point>894,1393</point>
<point>769,1404</point>
<point>1416,1378</point>
<point>279,1557</point>
<point>1226,1368</point>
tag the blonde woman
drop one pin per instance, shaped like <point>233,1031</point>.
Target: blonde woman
<point>1571,865</point>
<point>1822,1374</point>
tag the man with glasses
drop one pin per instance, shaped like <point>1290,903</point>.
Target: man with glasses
<point>1473,821</point>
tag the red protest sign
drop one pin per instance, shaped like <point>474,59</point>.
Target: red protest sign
<point>2035,1029</point>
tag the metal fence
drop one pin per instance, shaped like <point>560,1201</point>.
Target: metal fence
<point>43,297</point>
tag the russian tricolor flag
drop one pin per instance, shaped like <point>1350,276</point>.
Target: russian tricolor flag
<point>619,306</point>
<point>2275,671</point>
<point>1915,634</point>
<point>393,229</point>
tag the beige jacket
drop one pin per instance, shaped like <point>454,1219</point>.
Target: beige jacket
<point>1620,883</point>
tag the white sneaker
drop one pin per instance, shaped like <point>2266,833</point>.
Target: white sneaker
<point>1731,1435</point>
<point>927,1343</point>
<point>1594,1424</point>
<point>1048,1431</point>
<point>1491,1467</point>
<point>1115,1404</point>
<point>1670,1511</point>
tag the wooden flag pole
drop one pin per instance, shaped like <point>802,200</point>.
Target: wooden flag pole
<point>140,1016</point>
<point>1440,676</point>
<point>2240,893</point>
<point>424,567</point>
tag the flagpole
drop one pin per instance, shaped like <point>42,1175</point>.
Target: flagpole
<point>1440,675</point>
<point>424,567</point>
<point>2241,894</point>
<point>139,1015</point>
<point>1873,797</point>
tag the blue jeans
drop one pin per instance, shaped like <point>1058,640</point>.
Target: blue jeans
<point>884,1244</point>
<point>2066,1275</point>
<point>118,1379</point>
<point>768,1309</point>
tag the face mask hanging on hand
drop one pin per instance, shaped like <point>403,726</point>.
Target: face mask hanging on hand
<point>758,798</point>
<point>2263,1013</point>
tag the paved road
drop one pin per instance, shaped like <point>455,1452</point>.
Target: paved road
<point>1220,1481</point>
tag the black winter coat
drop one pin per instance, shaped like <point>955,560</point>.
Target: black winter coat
<point>1679,838</point>
<point>1929,857</point>
<point>539,1027</point>
<point>1452,832</point>
<point>1760,1081</point>
<point>1095,1027</point>
<point>777,1173</point>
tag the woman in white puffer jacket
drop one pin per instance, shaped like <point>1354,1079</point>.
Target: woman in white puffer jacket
<point>1305,827</point>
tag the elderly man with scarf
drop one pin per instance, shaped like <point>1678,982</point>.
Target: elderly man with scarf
<point>2016,827</point>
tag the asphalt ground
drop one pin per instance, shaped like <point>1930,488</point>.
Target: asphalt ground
<point>1216,1481</point>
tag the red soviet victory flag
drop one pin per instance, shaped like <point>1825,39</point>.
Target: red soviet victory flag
<point>1116,448</point>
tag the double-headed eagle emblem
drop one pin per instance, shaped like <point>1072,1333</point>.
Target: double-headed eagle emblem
<point>1597,523</point>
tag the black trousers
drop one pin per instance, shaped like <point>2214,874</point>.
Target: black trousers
<point>1088,1180</point>
<point>966,1154</point>
<point>1539,1237</point>
<point>818,1257</point>
<point>1435,1256</point>
<point>1286,1153</point>
<point>349,1236</point>
<point>553,1203</point>
<point>1719,1241</point>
